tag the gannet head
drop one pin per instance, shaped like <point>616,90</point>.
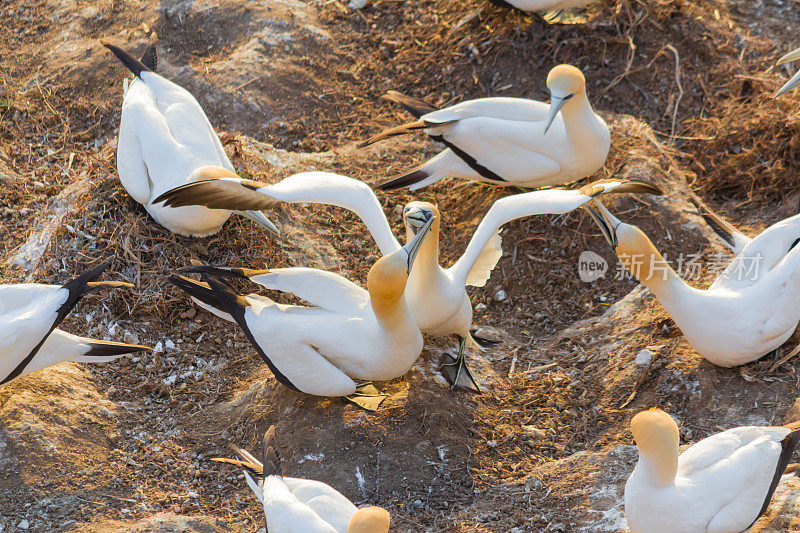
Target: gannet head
<point>369,520</point>
<point>387,278</point>
<point>417,214</point>
<point>788,58</point>
<point>564,83</point>
<point>657,437</point>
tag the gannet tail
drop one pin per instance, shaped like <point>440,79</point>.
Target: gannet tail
<point>105,351</point>
<point>403,129</point>
<point>415,106</point>
<point>414,179</point>
<point>788,445</point>
<point>202,295</point>
<point>130,62</point>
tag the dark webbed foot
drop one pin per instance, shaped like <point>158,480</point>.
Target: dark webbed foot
<point>458,374</point>
<point>367,396</point>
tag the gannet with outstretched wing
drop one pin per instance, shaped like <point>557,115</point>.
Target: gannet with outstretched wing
<point>435,295</point>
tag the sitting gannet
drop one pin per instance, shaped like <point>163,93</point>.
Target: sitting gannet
<point>721,484</point>
<point>165,140</point>
<point>435,295</point>
<point>541,6</point>
<point>509,141</point>
<point>792,83</point>
<point>294,505</point>
<point>351,336</point>
<point>29,315</point>
<point>750,309</point>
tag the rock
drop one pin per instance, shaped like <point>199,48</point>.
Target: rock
<point>644,357</point>
<point>358,4</point>
<point>500,295</point>
<point>480,308</point>
<point>24,524</point>
<point>534,432</point>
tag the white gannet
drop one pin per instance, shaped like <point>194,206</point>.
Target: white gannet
<point>435,295</point>
<point>294,505</point>
<point>721,484</point>
<point>509,141</point>
<point>792,83</point>
<point>165,140</point>
<point>749,310</point>
<point>29,315</point>
<point>541,6</point>
<point>351,336</point>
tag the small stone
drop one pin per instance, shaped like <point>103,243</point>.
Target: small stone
<point>500,295</point>
<point>491,443</point>
<point>480,308</point>
<point>193,494</point>
<point>24,524</point>
<point>38,186</point>
<point>169,345</point>
<point>158,348</point>
<point>644,357</point>
<point>534,432</point>
<point>358,4</point>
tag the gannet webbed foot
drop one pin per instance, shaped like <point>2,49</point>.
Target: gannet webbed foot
<point>367,396</point>
<point>458,374</point>
<point>483,342</point>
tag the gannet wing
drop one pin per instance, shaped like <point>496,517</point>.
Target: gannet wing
<point>733,238</point>
<point>486,261</point>
<point>494,107</point>
<point>328,503</point>
<point>307,187</point>
<point>549,201</point>
<point>719,446</point>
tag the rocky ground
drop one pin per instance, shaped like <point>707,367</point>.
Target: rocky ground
<point>687,90</point>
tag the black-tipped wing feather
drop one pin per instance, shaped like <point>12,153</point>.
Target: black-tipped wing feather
<point>724,231</point>
<point>415,106</point>
<point>272,463</point>
<point>219,194</point>
<point>98,348</point>
<point>244,273</point>
<point>150,57</point>
<point>198,290</point>
<point>788,445</point>
<point>130,62</point>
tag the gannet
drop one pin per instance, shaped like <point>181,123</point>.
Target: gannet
<point>29,315</point>
<point>530,6</point>
<point>351,336</point>
<point>721,484</point>
<point>748,311</point>
<point>792,83</point>
<point>509,141</point>
<point>294,505</point>
<point>165,140</point>
<point>435,295</point>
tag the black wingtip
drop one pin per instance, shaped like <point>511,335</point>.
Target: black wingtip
<point>272,462</point>
<point>130,62</point>
<point>150,57</point>
<point>712,221</point>
<point>196,289</point>
<point>99,348</point>
<point>788,446</point>
<point>243,273</point>
<point>416,106</point>
<point>404,180</point>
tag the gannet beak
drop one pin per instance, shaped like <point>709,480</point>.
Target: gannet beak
<point>259,218</point>
<point>789,85</point>
<point>413,246</point>
<point>607,222</point>
<point>416,218</point>
<point>791,56</point>
<point>556,103</point>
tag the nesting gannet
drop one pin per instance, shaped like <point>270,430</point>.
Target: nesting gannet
<point>530,6</point>
<point>29,315</point>
<point>509,141</point>
<point>351,336</point>
<point>435,295</point>
<point>749,310</point>
<point>165,140</point>
<point>792,83</point>
<point>294,505</point>
<point>721,484</point>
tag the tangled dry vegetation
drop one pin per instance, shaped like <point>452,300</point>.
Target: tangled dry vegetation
<point>686,87</point>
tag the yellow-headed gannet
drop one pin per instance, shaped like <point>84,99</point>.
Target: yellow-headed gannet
<point>294,505</point>
<point>509,141</point>
<point>435,295</point>
<point>29,315</point>
<point>750,309</point>
<point>792,83</point>
<point>721,484</point>
<point>166,140</point>
<point>542,6</point>
<point>351,336</point>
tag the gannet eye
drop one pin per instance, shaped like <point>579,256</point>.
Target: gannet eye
<point>428,215</point>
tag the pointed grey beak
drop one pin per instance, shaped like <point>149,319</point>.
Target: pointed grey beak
<point>412,247</point>
<point>259,218</point>
<point>607,222</point>
<point>794,55</point>
<point>791,84</point>
<point>556,103</point>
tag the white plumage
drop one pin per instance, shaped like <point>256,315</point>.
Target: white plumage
<point>544,5</point>
<point>721,484</point>
<point>436,295</point>
<point>750,309</point>
<point>294,505</point>
<point>29,314</point>
<point>510,141</point>
<point>350,334</point>
<point>166,140</point>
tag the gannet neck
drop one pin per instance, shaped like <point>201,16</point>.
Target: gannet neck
<point>386,283</point>
<point>642,259</point>
<point>657,437</point>
<point>369,520</point>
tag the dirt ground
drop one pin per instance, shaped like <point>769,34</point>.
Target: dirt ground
<point>686,88</point>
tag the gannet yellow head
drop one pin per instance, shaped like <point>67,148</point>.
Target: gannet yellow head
<point>387,278</point>
<point>417,214</point>
<point>564,83</point>
<point>369,520</point>
<point>657,437</point>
